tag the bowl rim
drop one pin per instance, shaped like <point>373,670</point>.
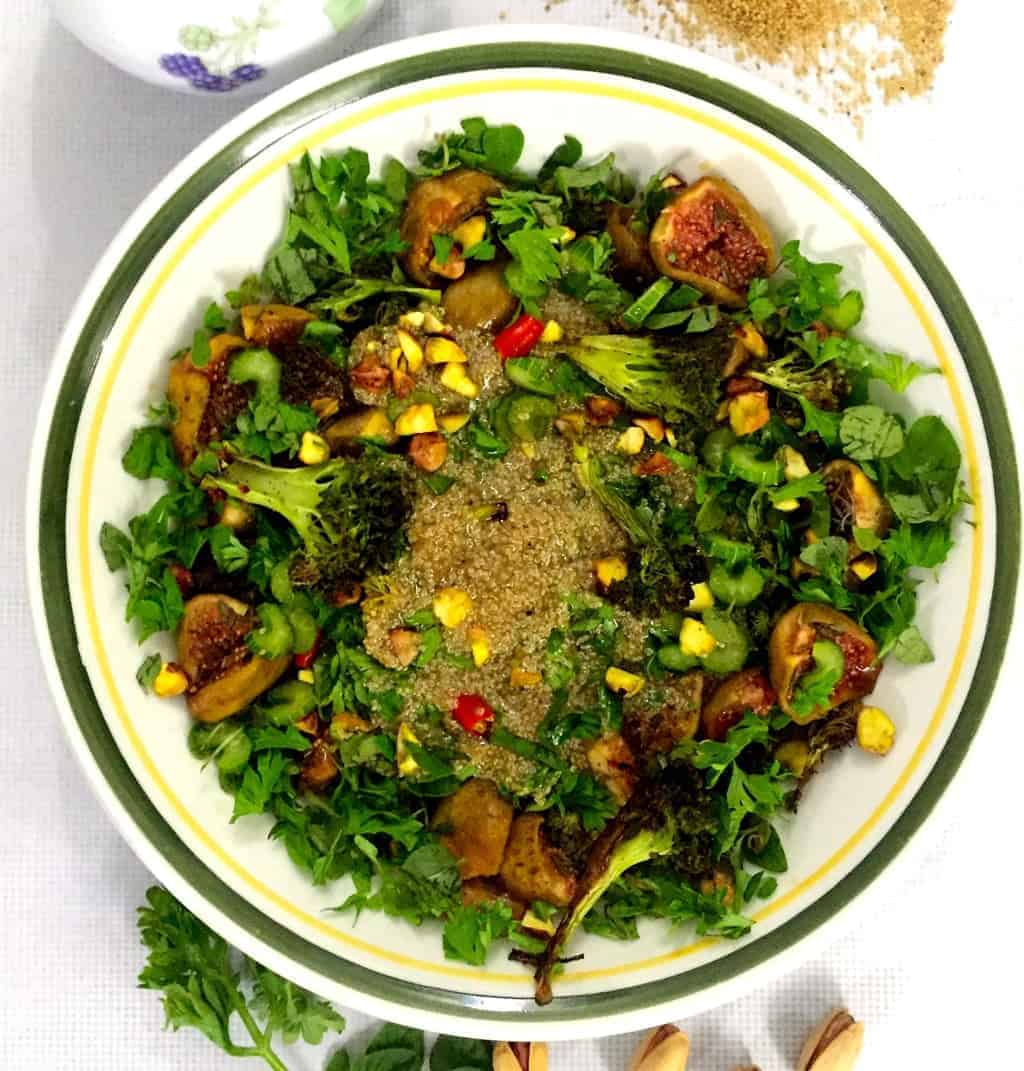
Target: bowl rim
<point>156,221</point>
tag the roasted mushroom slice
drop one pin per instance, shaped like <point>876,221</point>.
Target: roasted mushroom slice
<point>820,658</point>
<point>480,298</point>
<point>224,675</point>
<point>438,206</point>
<point>710,236</point>
<point>531,870</point>
<point>749,689</point>
<point>856,500</point>
<point>474,825</point>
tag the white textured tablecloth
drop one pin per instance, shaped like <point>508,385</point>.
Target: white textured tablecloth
<point>932,966</point>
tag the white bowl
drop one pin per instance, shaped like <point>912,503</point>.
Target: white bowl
<point>211,221</point>
<point>215,46</point>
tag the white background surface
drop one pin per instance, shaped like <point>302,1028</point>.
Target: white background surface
<point>930,966</point>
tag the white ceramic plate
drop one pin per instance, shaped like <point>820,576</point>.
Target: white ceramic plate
<point>211,222</point>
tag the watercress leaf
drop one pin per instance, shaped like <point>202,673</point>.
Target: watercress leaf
<point>115,545</point>
<point>868,432</point>
<point>565,155</point>
<point>460,1054</point>
<point>148,670</point>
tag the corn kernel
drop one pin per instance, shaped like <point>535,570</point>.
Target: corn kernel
<point>787,505</point>
<point>670,437</point>
<point>479,646</point>
<point>631,441</point>
<point>456,378</point>
<point>396,360</point>
<point>314,449</point>
<point>453,268</point>
<point>695,638</point>
<point>753,341</point>
<point>307,676</point>
<point>653,426</point>
<point>864,567</point>
<point>414,319</point>
<point>472,231</point>
<point>433,326</point>
<point>530,921</point>
<point>552,332</point>
<point>411,349</point>
<point>524,678</point>
<point>702,598</point>
<point>416,420</point>
<point>170,681</point>
<point>622,682</point>
<point>442,350</point>
<point>749,412</point>
<point>529,450</point>
<point>875,731</point>
<point>794,755</point>
<point>568,234</point>
<point>722,412</point>
<point>452,606</point>
<point>453,422</point>
<point>610,570</point>
<point>407,765</point>
<point>671,181</point>
<point>795,465</point>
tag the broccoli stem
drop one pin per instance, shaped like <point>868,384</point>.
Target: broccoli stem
<point>628,840</point>
<point>591,478</point>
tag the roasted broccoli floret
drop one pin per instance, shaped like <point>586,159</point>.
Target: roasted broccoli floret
<point>674,378</point>
<point>351,515</point>
<point>657,822</point>
<point>658,578</point>
<point>824,385</point>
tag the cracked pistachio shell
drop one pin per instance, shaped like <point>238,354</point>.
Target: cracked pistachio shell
<point>833,1045</point>
<point>666,1048</point>
<point>506,1058</point>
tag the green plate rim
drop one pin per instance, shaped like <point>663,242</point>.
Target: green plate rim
<point>811,144</point>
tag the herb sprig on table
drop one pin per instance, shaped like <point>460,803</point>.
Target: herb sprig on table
<point>209,987</point>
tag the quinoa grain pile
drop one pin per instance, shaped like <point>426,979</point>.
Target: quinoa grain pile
<point>847,54</point>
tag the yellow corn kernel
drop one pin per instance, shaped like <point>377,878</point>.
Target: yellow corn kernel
<point>671,181</point>
<point>433,326</point>
<point>442,350</point>
<point>414,319</point>
<point>314,449</point>
<point>610,570</point>
<point>552,332</point>
<point>479,646</point>
<point>524,678</point>
<point>307,676</point>
<point>530,921</point>
<point>652,425</point>
<point>702,598</point>
<point>170,681</point>
<point>416,420</point>
<point>795,465</point>
<point>631,441</point>
<point>453,422</point>
<point>787,505</point>
<point>377,425</point>
<point>622,682</point>
<point>529,450</point>
<point>722,412</point>
<point>567,236</point>
<point>753,341</point>
<point>695,638</point>
<point>472,231</point>
<point>864,567</point>
<point>407,765</point>
<point>748,412</point>
<point>670,437</point>
<point>794,755</point>
<point>452,606</point>
<point>456,378</point>
<point>411,349</point>
<point>875,731</point>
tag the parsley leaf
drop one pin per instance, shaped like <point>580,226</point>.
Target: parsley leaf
<point>816,685</point>
<point>472,929</point>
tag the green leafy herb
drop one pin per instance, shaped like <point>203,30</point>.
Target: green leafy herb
<point>868,432</point>
<point>471,930</point>
<point>148,670</point>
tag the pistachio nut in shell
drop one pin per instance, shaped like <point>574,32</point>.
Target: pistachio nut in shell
<point>833,1045</point>
<point>520,1056</point>
<point>665,1048</point>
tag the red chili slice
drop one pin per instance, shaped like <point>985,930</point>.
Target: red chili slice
<point>473,713</point>
<point>519,337</point>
